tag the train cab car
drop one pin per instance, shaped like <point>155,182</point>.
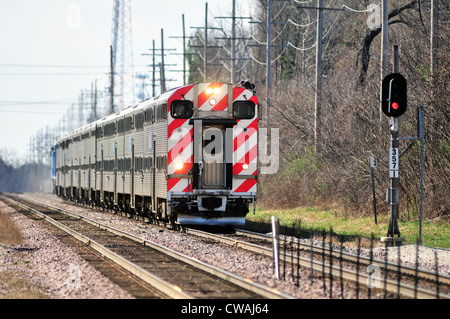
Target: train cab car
<point>53,166</point>
<point>212,153</point>
<point>188,156</point>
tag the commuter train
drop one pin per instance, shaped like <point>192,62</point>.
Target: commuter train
<point>187,156</point>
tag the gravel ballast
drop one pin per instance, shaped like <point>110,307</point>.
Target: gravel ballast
<point>53,265</point>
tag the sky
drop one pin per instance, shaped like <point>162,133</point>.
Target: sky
<point>51,50</point>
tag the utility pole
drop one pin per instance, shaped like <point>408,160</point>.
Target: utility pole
<point>205,44</point>
<point>268,56</point>
<point>94,100</point>
<point>233,44</point>
<point>184,51</point>
<point>233,39</point>
<point>162,65</point>
<point>111,106</point>
<point>163,73</point>
<point>154,71</point>
<point>317,103</point>
<point>384,45</point>
<point>184,54</point>
<point>80,108</point>
<point>433,40</point>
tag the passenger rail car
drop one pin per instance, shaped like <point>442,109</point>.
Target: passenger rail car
<point>188,156</point>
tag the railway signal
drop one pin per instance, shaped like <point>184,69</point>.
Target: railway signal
<point>394,101</point>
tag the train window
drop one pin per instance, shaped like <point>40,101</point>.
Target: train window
<point>124,125</point>
<point>243,109</point>
<point>128,125</point>
<point>164,111</point>
<point>149,115</point>
<point>158,113</point>
<point>139,120</point>
<point>109,129</point>
<point>138,165</point>
<point>148,164</point>
<point>98,132</point>
<point>181,109</point>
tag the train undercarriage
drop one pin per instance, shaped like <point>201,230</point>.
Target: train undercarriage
<point>204,208</point>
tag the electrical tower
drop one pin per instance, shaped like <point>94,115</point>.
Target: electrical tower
<point>122,73</point>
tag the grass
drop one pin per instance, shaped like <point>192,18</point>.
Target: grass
<point>13,285</point>
<point>9,234</point>
<point>322,218</point>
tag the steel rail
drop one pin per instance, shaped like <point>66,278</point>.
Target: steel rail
<point>390,266</point>
<point>163,286</point>
<point>348,274</point>
<point>244,283</point>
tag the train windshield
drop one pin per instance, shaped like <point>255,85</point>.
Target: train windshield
<point>243,109</point>
<point>181,109</point>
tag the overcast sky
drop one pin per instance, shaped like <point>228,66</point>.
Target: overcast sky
<point>51,50</point>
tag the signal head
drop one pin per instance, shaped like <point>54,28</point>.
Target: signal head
<point>394,95</point>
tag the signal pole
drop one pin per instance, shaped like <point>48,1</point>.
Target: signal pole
<point>394,88</point>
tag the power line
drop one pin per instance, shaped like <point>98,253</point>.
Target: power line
<point>3,102</point>
<point>56,66</point>
<point>51,74</point>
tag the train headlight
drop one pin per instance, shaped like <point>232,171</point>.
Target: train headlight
<point>210,91</point>
<point>244,166</point>
<point>178,166</point>
<point>212,102</point>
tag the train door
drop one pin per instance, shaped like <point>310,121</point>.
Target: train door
<point>102,168</point>
<point>79,184</point>
<point>65,175</point>
<point>115,173</point>
<point>213,154</point>
<point>71,180</point>
<point>132,173</point>
<point>154,208</point>
<point>88,195</point>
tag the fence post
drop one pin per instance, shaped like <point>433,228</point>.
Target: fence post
<point>275,246</point>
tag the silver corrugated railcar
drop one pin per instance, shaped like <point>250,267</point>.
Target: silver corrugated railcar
<point>188,156</point>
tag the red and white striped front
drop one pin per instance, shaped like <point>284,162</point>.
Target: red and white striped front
<point>213,97</point>
<point>245,147</point>
<point>180,145</point>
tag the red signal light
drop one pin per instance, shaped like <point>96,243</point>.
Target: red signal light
<point>394,105</point>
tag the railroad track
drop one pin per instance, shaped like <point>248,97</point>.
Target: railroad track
<point>406,287</point>
<point>171,274</point>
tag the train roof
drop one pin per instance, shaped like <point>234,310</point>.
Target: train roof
<point>143,105</point>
